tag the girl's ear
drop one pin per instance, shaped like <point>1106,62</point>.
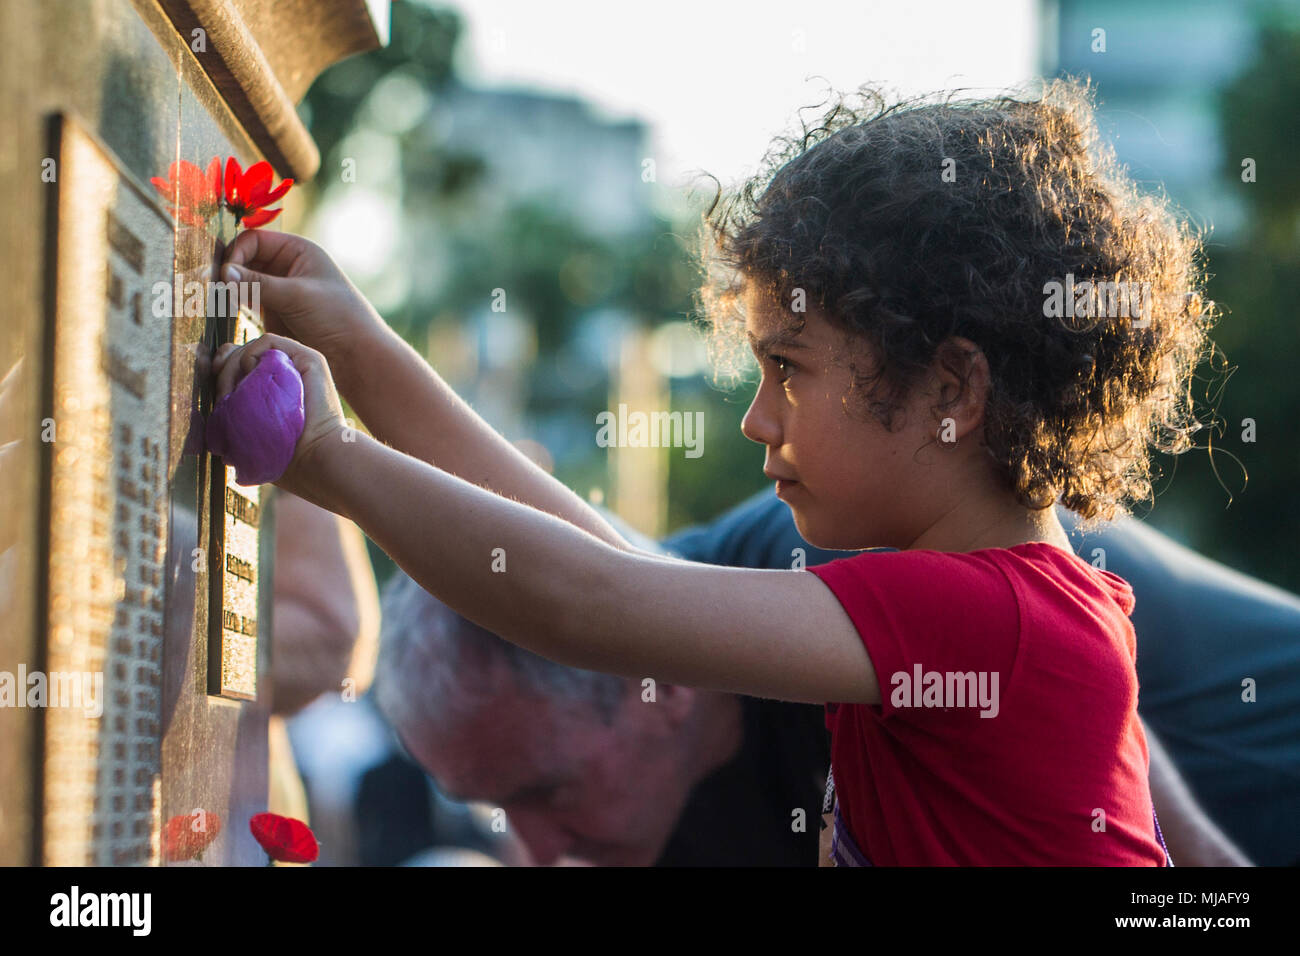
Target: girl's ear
<point>964,384</point>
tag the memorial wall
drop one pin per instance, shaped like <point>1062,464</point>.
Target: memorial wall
<point>135,574</point>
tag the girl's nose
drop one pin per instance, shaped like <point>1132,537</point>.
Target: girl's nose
<point>760,423</point>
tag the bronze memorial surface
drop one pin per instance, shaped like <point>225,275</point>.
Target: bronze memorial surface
<point>107,533</point>
<point>234,579</point>
<point>135,574</point>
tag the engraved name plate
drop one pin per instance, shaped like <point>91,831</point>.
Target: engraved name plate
<point>109,375</point>
<point>237,513</point>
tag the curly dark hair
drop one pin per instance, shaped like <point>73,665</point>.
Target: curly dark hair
<point>910,222</point>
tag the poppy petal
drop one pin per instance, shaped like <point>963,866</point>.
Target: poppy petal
<point>284,838</point>
<point>192,182</point>
<point>233,176</point>
<point>259,218</point>
<point>188,835</point>
<point>258,171</point>
<point>277,193</point>
<point>257,181</point>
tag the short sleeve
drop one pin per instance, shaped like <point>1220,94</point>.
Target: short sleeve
<point>919,612</point>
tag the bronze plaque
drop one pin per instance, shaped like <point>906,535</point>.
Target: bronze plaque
<point>115,456</point>
<point>236,518</point>
<point>112,526</point>
<point>110,380</point>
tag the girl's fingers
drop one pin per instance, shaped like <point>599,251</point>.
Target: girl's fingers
<point>232,362</point>
<point>265,259</point>
<point>258,249</point>
<point>227,372</point>
<point>301,356</point>
<point>273,291</point>
<point>237,361</point>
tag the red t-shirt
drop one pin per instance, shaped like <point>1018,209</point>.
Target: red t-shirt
<point>1039,641</point>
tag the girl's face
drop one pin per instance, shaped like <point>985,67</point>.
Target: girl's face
<point>849,483</point>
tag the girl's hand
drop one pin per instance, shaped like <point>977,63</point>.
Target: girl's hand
<point>324,423</point>
<point>303,293</point>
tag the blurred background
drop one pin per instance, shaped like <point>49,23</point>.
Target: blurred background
<point>516,187</point>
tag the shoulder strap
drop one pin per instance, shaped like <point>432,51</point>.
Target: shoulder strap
<point>1169,861</point>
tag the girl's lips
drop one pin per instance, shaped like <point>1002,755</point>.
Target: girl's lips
<point>784,485</point>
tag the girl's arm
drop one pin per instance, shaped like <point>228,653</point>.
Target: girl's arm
<point>403,401</point>
<point>406,404</point>
<point>557,589</point>
<point>560,592</point>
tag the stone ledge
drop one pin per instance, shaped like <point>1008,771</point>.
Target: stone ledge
<point>263,55</point>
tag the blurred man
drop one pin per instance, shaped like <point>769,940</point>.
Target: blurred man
<point>595,767</point>
<point>326,606</point>
<point>325,634</point>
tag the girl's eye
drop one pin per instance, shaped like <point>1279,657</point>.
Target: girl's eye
<point>784,365</point>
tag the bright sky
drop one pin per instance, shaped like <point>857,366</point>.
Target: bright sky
<point>717,79</point>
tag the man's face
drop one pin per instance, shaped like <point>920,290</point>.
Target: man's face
<point>570,784</point>
<point>837,459</point>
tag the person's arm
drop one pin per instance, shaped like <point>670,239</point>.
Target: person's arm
<point>323,603</point>
<point>385,379</point>
<point>553,588</point>
<point>400,398</point>
<point>1192,837</point>
<point>579,601</point>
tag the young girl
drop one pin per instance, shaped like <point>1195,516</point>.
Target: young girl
<point>936,295</point>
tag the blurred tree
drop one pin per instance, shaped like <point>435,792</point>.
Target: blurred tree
<point>1250,519</point>
<point>458,245</point>
<point>559,273</point>
<point>1258,118</point>
<point>422,42</point>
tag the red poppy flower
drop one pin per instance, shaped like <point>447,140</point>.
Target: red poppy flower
<point>249,191</point>
<point>284,838</point>
<point>194,195</point>
<point>186,836</point>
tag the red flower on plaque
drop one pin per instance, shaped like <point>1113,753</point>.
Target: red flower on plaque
<point>193,194</point>
<point>186,836</point>
<point>248,192</point>
<point>284,838</point>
